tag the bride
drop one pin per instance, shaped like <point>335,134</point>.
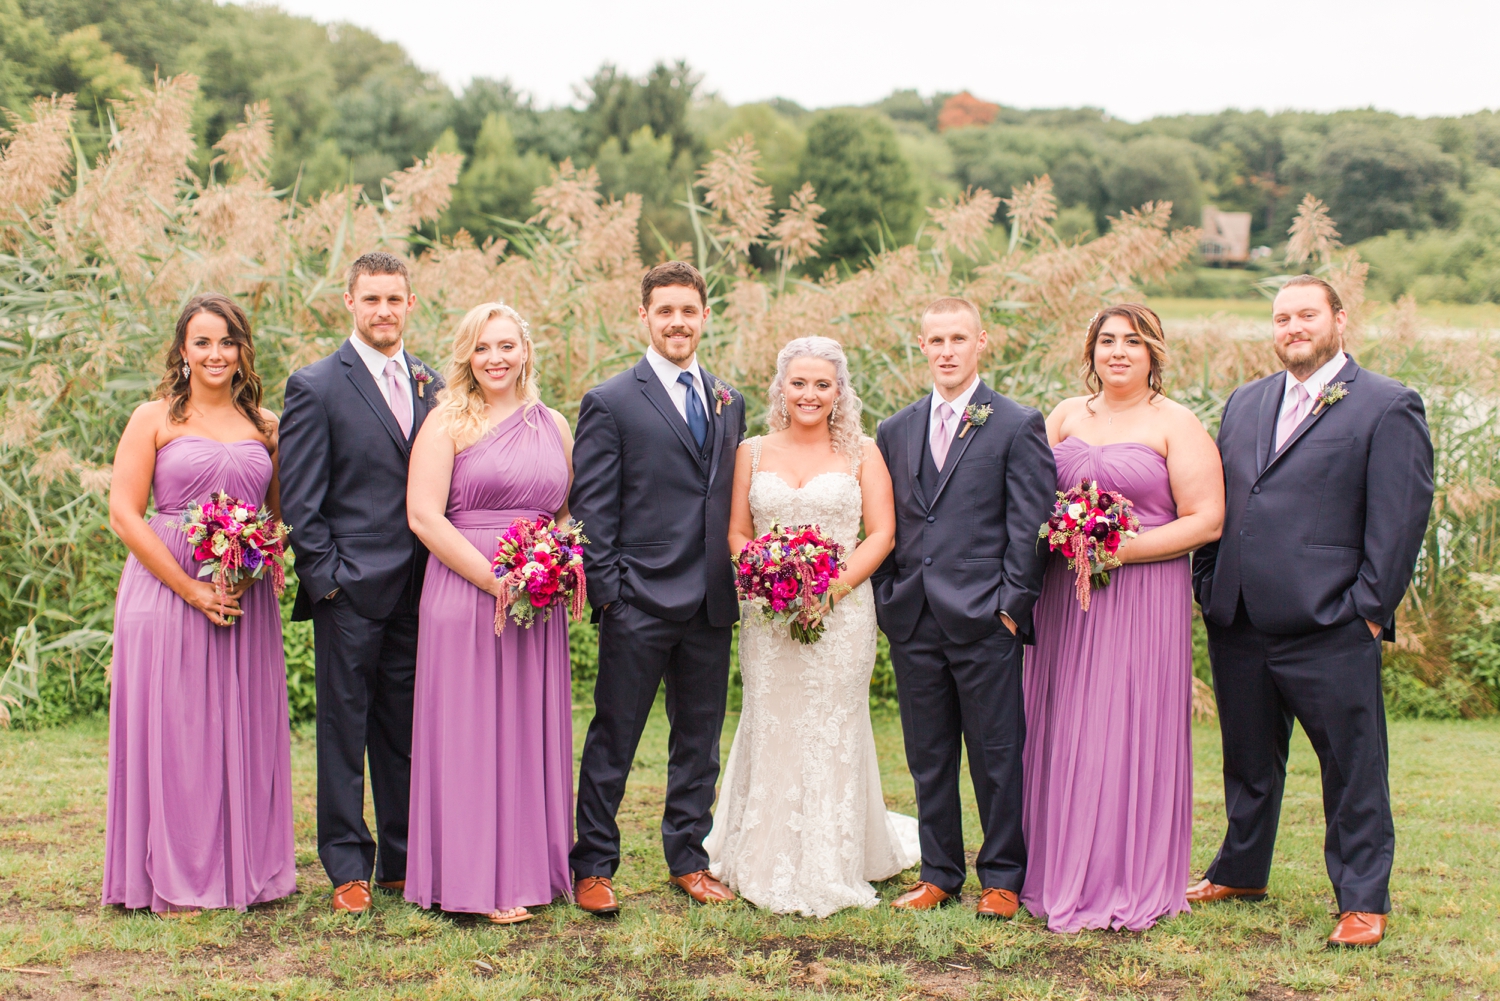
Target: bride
<point>801,825</point>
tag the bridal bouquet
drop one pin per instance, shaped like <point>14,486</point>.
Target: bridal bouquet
<point>785,572</point>
<point>1087,526</point>
<point>540,565</point>
<point>234,540</point>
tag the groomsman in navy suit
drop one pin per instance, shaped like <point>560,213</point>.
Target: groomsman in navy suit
<point>1328,487</point>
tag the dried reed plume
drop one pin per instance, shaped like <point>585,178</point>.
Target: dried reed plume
<point>1312,233</point>
<point>798,234</point>
<point>741,204</point>
<point>964,224</point>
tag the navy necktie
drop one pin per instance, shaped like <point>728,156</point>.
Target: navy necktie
<point>696,418</point>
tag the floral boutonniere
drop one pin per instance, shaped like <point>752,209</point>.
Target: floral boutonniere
<point>1331,394</point>
<point>421,377</point>
<point>722,396</point>
<point>974,416</point>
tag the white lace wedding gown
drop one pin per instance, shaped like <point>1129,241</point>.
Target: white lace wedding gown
<point>801,825</point>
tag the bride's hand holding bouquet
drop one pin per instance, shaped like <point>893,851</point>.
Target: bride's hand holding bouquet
<point>790,575</point>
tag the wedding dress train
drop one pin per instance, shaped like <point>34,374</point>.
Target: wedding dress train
<point>801,825</point>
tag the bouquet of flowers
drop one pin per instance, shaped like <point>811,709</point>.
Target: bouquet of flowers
<point>1087,526</point>
<point>234,540</point>
<point>540,565</point>
<point>785,572</point>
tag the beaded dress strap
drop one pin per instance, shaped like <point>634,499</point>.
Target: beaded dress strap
<point>754,454</point>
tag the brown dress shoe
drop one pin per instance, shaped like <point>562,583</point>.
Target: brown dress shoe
<point>1357,930</point>
<point>353,897</point>
<point>1204,892</point>
<point>392,885</point>
<point>995,903</point>
<point>595,895</point>
<point>703,887</point>
<point>922,897</point>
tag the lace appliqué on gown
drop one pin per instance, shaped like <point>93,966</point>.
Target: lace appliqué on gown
<point>801,825</point>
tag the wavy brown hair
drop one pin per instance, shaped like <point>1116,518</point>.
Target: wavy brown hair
<point>1144,323</point>
<point>176,388</point>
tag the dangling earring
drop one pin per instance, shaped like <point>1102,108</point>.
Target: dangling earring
<point>785,414</point>
<point>187,370</point>
<point>238,375</point>
<point>833,414</point>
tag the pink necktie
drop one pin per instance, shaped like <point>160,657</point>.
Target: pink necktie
<point>941,436</point>
<point>1292,414</point>
<point>395,395</point>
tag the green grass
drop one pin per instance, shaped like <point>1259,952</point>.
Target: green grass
<point>1444,942</point>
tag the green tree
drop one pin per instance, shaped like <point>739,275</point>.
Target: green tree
<point>1376,180</point>
<point>27,54</point>
<point>497,182</point>
<point>864,184</point>
<point>619,105</point>
<point>1157,169</point>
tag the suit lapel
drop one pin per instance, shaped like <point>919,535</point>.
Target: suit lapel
<point>421,402</point>
<point>1265,425</point>
<point>916,443</point>
<point>1346,375</point>
<point>981,396</point>
<point>657,394</point>
<point>354,368</point>
<point>718,426</point>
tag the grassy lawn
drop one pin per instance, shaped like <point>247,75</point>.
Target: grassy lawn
<point>1444,943</point>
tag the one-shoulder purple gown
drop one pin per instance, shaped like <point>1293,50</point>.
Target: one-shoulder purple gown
<point>200,768</point>
<point>1108,756</point>
<point>492,735</point>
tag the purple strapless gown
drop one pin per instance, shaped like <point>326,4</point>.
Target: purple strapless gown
<point>492,734</point>
<point>1108,756</point>
<point>200,768</point>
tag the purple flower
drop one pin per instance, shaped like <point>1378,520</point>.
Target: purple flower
<point>252,559</point>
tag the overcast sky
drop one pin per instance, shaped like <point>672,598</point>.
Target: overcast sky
<point>1135,60</point>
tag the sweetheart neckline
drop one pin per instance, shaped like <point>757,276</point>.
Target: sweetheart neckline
<point>1110,444</point>
<point>778,479</point>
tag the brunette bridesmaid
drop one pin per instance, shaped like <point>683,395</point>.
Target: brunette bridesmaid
<point>200,797</point>
<point>492,738</point>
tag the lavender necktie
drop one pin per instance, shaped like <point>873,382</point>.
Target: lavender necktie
<point>395,395</point>
<point>942,437</point>
<point>1291,414</point>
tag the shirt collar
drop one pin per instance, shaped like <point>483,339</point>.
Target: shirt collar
<point>374,360</point>
<point>667,370</point>
<point>1316,382</point>
<point>959,402</point>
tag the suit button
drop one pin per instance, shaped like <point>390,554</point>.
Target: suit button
<point>1255,489</point>
<point>927,561</point>
<point>931,519</point>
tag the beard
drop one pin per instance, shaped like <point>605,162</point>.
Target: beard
<point>380,339</point>
<point>674,350</point>
<point>1305,358</point>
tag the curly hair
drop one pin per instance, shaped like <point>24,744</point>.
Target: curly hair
<point>176,388</point>
<point>1147,325</point>
<point>461,403</point>
<point>844,420</point>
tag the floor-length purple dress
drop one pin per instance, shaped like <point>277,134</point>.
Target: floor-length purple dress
<point>492,735</point>
<point>1108,755</point>
<point>200,768</point>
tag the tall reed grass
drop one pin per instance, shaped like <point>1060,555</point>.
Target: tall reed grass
<point>95,259</point>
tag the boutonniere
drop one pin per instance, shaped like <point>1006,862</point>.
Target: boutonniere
<point>722,396</point>
<point>1331,394</point>
<point>421,377</point>
<point>974,416</point>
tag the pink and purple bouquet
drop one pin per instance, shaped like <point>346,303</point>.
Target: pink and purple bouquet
<point>234,540</point>
<point>540,565</point>
<point>786,572</point>
<point>1087,526</point>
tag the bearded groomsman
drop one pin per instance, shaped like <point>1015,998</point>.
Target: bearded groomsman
<point>1328,487</point>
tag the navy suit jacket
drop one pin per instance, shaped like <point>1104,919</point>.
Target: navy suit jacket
<point>1326,530</point>
<point>654,507</point>
<point>343,484</point>
<point>970,550</point>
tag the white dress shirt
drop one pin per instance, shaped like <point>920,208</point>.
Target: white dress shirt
<point>668,371</point>
<point>958,403</point>
<point>1314,385</point>
<point>376,361</point>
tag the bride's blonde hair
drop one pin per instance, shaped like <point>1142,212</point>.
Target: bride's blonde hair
<point>461,403</point>
<point>843,421</point>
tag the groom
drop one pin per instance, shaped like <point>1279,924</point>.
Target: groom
<point>974,480</point>
<point>654,468</point>
<point>346,437</point>
<point>1328,485</point>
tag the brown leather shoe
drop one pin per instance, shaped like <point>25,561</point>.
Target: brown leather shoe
<point>595,895</point>
<point>1357,930</point>
<point>922,897</point>
<point>995,903</point>
<point>703,887</point>
<point>1204,892</point>
<point>353,897</point>
<point>397,886</point>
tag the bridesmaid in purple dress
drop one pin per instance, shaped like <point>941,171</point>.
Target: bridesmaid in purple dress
<point>200,793</point>
<point>492,740</point>
<point>1108,757</point>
